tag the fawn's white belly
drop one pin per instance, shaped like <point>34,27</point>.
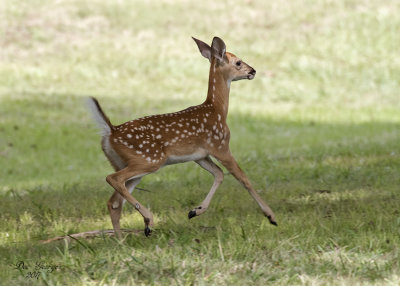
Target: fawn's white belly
<point>174,159</point>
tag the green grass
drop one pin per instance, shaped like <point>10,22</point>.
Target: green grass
<point>317,131</point>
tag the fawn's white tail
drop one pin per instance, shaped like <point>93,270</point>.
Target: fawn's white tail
<point>99,116</point>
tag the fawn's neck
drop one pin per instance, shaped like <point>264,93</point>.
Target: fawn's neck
<point>218,90</point>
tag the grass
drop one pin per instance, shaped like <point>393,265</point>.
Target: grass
<point>317,132</point>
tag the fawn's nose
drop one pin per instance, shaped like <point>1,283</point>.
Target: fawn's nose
<point>251,74</point>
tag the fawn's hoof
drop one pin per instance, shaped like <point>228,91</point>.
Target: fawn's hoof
<point>147,231</point>
<point>191,214</point>
<point>272,221</point>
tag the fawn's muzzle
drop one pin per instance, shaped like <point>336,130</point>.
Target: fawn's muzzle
<point>251,74</point>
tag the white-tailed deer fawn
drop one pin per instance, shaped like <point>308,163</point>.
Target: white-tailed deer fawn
<point>142,146</point>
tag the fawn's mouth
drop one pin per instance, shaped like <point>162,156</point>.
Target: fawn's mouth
<point>251,74</point>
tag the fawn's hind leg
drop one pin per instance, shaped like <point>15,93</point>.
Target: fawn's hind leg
<point>133,172</point>
<point>115,204</point>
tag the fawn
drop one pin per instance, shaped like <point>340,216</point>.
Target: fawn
<point>142,146</point>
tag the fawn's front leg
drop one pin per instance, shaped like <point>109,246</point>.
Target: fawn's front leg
<point>216,171</point>
<point>230,163</point>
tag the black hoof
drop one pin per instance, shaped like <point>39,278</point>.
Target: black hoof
<point>271,221</point>
<point>147,231</point>
<point>191,214</point>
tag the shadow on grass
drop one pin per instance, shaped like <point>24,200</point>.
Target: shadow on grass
<point>54,141</point>
<point>63,176</point>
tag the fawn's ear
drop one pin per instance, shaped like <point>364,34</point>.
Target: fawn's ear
<point>218,50</point>
<point>204,49</point>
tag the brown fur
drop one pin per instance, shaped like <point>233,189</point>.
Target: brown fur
<point>142,146</point>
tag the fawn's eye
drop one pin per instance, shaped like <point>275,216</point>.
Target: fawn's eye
<point>238,63</point>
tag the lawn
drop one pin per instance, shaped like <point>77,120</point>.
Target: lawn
<point>317,132</point>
